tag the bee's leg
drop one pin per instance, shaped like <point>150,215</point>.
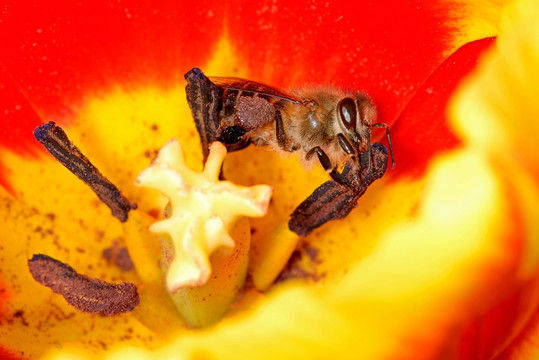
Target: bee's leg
<point>345,144</point>
<point>369,153</point>
<point>384,125</point>
<point>326,164</point>
<point>334,200</point>
<point>279,131</point>
<point>282,140</point>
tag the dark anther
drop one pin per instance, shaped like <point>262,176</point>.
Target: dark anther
<point>83,292</point>
<point>58,144</point>
<point>204,102</point>
<point>331,200</point>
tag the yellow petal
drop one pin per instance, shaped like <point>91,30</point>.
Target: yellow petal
<point>476,19</point>
<point>496,112</point>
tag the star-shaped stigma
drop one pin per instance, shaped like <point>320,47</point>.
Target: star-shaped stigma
<point>200,213</point>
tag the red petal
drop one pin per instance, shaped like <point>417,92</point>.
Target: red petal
<point>6,355</point>
<point>56,56</point>
<point>60,53</point>
<point>486,336</point>
<point>17,121</point>
<point>387,48</point>
<point>422,130</point>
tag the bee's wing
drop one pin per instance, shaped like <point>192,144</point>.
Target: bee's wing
<point>331,201</point>
<point>203,99</point>
<point>252,104</point>
<point>252,86</point>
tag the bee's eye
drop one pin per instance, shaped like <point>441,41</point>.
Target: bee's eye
<point>347,112</point>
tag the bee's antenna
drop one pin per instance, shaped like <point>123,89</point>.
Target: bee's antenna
<point>384,125</point>
<point>369,151</point>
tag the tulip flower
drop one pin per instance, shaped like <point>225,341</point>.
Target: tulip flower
<point>439,259</point>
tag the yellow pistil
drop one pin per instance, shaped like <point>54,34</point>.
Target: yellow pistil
<point>202,211</point>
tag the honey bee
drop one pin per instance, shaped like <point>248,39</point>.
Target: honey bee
<point>323,124</point>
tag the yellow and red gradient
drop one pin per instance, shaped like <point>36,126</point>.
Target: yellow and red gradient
<point>438,260</point>
<point>56,57</point>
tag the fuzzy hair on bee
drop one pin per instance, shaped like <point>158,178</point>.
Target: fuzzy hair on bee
<point>322,124</point>
<point>317,124</point>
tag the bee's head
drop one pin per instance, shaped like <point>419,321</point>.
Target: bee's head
<point>355,115</point>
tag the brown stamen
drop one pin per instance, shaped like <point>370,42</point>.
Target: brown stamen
<point>85,293</point>
<point>58,144</point>
<point>332,200</point>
